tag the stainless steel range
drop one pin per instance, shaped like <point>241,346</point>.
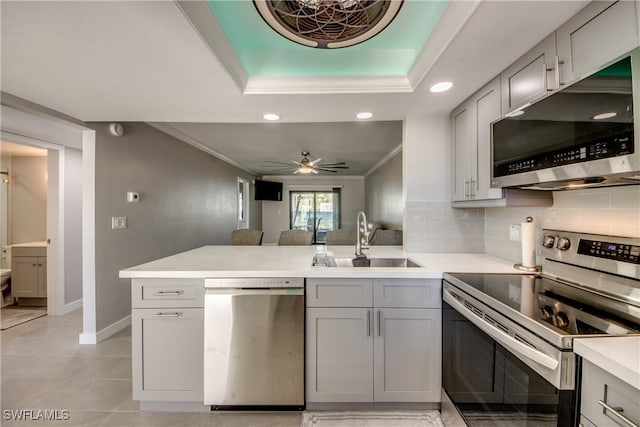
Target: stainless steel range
<point>508,339</point>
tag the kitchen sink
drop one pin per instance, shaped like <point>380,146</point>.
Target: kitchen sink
<point>372,262</point>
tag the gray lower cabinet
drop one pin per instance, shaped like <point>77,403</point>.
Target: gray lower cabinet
<point>607,400</point>
<point>385,351</point>
<point>29,272</point>
<point>168,340</point>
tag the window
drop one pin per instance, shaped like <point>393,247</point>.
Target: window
<point>243,203</point>
<point>315,211</point>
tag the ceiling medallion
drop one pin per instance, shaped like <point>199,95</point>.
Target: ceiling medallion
<point>328,24</point>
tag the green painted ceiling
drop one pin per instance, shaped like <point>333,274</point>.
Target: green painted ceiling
<point>265,53</point>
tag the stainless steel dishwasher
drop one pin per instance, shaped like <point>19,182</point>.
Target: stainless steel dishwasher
<point>254,342</point>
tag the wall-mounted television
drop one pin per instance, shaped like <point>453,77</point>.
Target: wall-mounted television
<point>268,190</point>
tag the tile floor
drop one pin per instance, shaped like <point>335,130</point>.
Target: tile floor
<point>44,367</point>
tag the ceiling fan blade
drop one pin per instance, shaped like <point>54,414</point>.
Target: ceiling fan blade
<point>314,171</point>
<point>314,163</point>
<point>335,167</point>
<point>283,163</point>
<point>325,170</point>
<point>334,164</point>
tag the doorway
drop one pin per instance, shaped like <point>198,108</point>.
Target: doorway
<point>315,211</point>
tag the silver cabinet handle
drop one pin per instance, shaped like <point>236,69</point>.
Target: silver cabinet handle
<point>472,185</point>
<point>558,64</point>
<point>368,323</point>
<point>168,293</point>
<point>545,80</point>
<point>617,412</point>
<point>166,315</point>
<point>466,188</point>
<point>379,329</point>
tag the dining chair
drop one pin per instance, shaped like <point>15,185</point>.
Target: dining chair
<point>246,237</point>
<point>295,237</point>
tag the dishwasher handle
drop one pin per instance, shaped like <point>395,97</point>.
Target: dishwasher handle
<point>255,291</point>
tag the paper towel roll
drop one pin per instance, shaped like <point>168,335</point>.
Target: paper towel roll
<point>528,233</point>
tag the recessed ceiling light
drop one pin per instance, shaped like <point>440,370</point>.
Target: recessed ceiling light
<point>441,87</point>
<point>364,115</point>
<point>271,116</point>
<point>603,116</point>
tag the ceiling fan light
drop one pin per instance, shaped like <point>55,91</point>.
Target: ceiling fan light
<point>271,116</point>
<point>306,170</point>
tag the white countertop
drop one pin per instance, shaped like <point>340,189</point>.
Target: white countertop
<point>30,245</point>
<point>620,356</point>
<point>296,261</point>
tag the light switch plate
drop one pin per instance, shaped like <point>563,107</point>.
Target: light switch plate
<point>118,222</point>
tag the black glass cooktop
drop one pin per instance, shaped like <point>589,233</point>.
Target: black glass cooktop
<point>566,309</point>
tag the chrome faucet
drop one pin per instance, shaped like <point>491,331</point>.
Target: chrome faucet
<point>362,234</point>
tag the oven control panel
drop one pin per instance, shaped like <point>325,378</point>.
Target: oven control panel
<point>610,250</point>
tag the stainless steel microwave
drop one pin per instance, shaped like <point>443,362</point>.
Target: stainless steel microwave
<point>577,137</point>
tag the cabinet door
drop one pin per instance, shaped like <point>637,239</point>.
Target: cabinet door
<point>24,277</point>
<point>42,277</point>
<point>407,348</point>
<point>462,151</point>
<point>530,77</point>
<point>599,33</point>
<point>339,355</point>
<point>168,351</point>
<point>487,106</point>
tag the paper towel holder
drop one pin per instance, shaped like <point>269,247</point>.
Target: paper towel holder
<point>531,269</point>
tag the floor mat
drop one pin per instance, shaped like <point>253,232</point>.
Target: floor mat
<point>371,419</point>
<point>12,316</point>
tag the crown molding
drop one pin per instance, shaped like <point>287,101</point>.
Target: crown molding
<point>172,131</point>
<point>384,160</point>
<point>206,26</point>
<point>450,24</point>
<point>327,85</point>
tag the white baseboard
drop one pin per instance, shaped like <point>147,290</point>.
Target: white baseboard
<point>103,334</point>
<point>68,308</point>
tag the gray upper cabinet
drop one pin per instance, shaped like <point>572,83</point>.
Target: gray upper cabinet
<point>471,145</point>
<point>599,33</point>
<point>531,76</point>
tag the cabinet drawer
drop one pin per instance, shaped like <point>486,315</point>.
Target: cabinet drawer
<point>412,293</point>
<point>150,293</point>
<point>29,251</point>
<point>598,388</point>
<point>339,292</point>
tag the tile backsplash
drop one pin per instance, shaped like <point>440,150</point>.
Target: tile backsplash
<point>436,227</point>
<point>614,211</point>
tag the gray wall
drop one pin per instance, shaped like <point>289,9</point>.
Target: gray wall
<point>28,199</point>
<point>383,193</point>
<point>73,224</point>
<point>187,199</point>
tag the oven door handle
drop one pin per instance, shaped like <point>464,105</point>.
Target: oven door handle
<point>502,338</point>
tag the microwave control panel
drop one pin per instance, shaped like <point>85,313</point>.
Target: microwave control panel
<point>613,146</point>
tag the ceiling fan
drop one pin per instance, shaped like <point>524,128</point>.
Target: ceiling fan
<point>306,166</point>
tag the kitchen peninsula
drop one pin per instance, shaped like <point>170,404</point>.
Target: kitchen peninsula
<point>375,311</point>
